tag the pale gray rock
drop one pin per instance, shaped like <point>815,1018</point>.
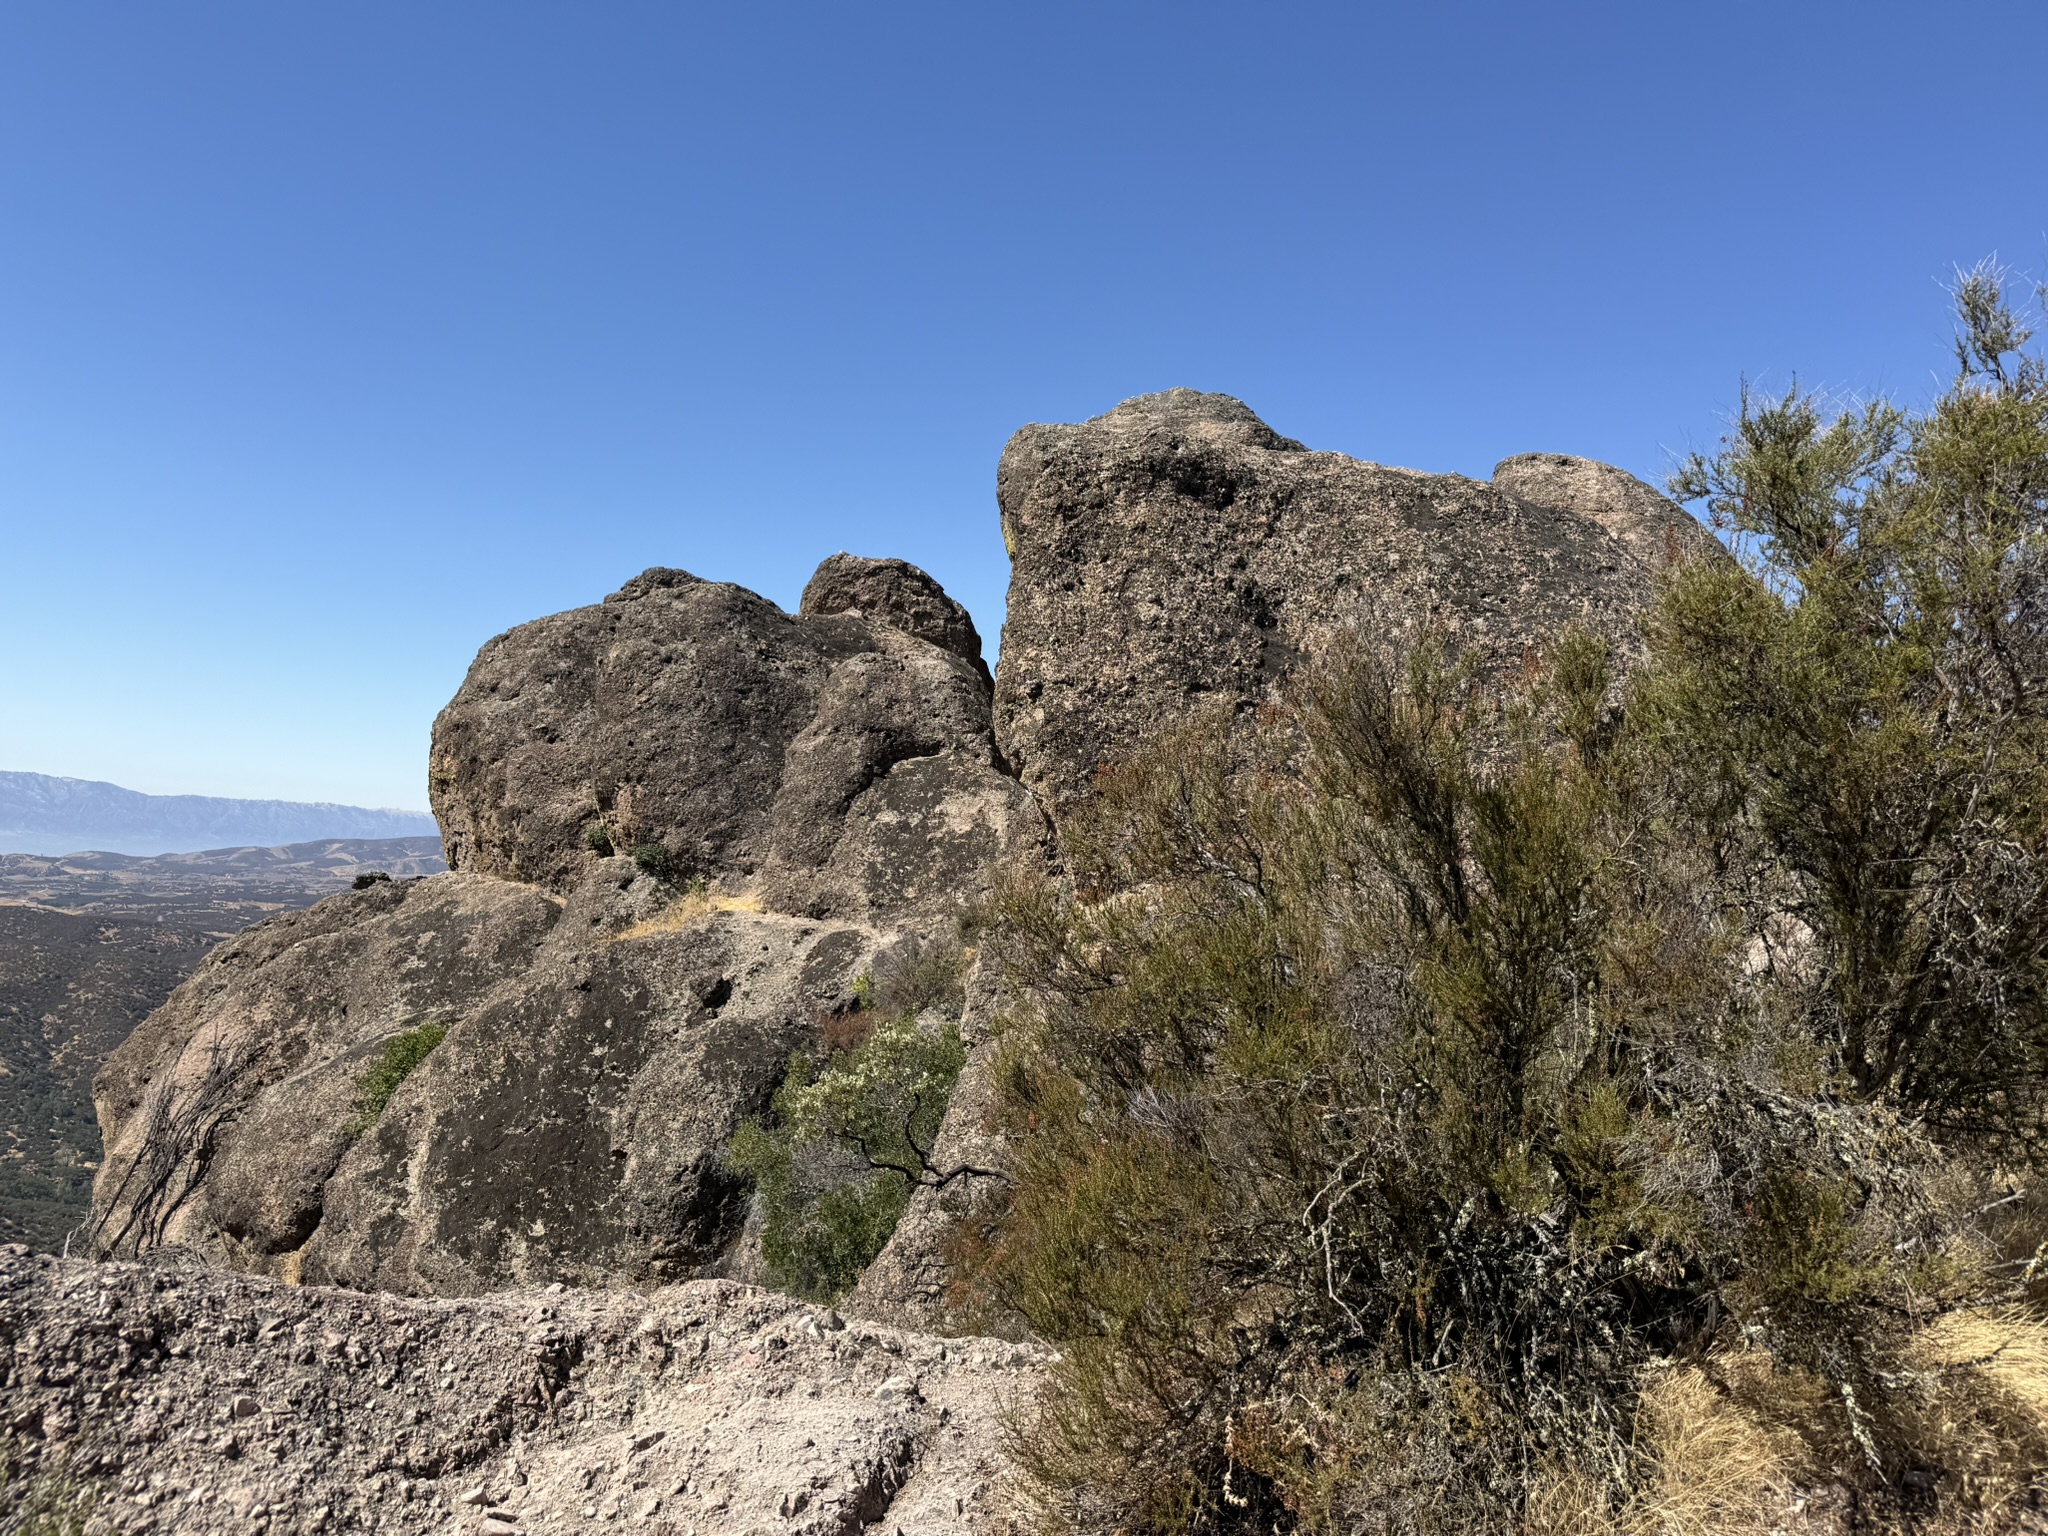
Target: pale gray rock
<point>1654,529</point>
<point>708,1408</point>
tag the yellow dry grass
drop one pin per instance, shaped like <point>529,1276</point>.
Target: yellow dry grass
<point>687,909</point>
<point>1715,1468</point>
<point>1724,1453</point>
<point>1981,1409</point>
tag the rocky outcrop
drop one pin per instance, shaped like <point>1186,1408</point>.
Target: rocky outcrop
<point>837,763</point>
<point>896,593</point>
<point>185,1399</point>
<point>569,1125</point>
<point>1177,550</point>
<point>682,824</point>
<point>821,789</point>
<point>1649,526</point>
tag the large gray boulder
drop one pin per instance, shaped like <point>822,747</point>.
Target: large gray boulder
<point>899,594</point>
<point>836,762</point>
<point>823,788</point>
<point>1177,551</point>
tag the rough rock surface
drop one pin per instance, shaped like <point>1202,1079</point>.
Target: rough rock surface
<point>1178,550</point>
<point>832,762</point>
<point>188,1400</point>
<point>897,593</point>
<point>569,1126</point>
<point>828,780</point>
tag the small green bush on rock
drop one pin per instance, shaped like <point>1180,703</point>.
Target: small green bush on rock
<point>849,1140</point>
<point>654,859</point>
<point>401,1054</point>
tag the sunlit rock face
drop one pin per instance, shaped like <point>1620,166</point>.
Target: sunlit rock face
<point>1177,551</point>
<point>682,824</point>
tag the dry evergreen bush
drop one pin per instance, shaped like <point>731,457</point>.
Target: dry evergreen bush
<point>1452,1102</point>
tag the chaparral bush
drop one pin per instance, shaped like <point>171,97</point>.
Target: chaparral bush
<point>1459,1101</point>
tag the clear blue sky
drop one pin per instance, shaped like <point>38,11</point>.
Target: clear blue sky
<point>336,338</point>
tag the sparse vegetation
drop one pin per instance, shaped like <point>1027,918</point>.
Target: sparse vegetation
<point>854,1132</point>
<point>655,859</point>
<point>401,1055</point>
<point>597,837</point>
<point>1568,1102</point>
<point>41,1500</point>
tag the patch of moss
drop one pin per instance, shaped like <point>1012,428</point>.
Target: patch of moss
<point>402,1053</point>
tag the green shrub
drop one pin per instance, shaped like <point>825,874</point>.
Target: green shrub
<point>654,859</point>
<point>401,1054</point>
<point>849,1140</point>
<point>1407,1076</point>
<point>1864,705</point>
<point>597,837</point>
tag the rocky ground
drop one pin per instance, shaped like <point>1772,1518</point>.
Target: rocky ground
<point>195,1400</point>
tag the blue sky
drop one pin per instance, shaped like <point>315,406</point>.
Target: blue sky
<point>335,339</point>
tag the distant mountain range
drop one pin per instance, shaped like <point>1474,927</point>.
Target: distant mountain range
<point>43,814</point>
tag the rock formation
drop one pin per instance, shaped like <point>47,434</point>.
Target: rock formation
<point>681,825</point>
<point>1178,550</point>
<point>838,762</point>
<point>806,792</point>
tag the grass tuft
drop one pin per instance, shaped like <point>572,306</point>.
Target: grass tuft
<point>693,906</point>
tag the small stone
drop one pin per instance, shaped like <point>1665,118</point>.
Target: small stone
<point>652,1437</point>
<point>473,1496</point>
<point>244,1407</point>
<point>896,1389</point>
<point>495,1526</point>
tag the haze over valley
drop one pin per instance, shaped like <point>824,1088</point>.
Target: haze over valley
<point>44,813</point>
